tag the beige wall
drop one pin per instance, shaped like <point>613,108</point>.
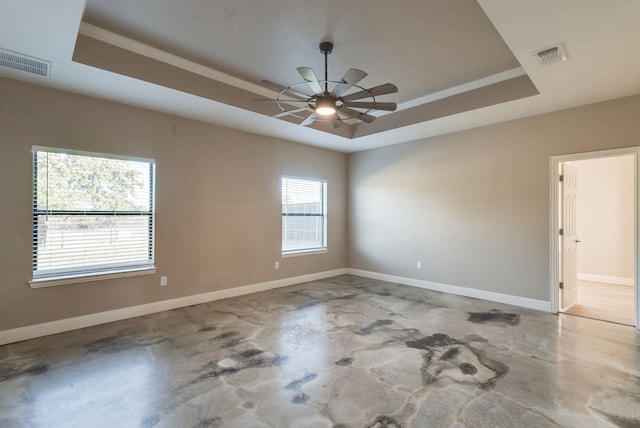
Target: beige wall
<point>605,216</point>
<point>217,202</point>
<point>474,206</point>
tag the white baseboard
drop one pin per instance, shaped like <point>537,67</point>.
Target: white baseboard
<point>525,302</point>
<point>59,326</point>
<point>606,279</point>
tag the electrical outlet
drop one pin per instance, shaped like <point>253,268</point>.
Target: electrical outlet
<point>276,265</point>
<point>418,265</point>
<point>163,281</point>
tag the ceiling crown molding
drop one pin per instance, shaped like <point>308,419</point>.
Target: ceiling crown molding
<point>139,48</point>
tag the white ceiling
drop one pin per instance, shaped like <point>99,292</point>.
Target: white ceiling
<point>429,49</point>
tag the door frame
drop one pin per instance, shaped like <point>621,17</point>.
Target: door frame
<point>555,162</point>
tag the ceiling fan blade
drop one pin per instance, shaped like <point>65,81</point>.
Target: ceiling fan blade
<point>269,100</point>
<point>309,119</point>
<point>358,115</point>
<point>387,88</point>
<point>337,122</point>
<point>281,88</point>
<point>350,78</point>
<point>373,105</point>
<point>288,112</point>
<point>310,77</point>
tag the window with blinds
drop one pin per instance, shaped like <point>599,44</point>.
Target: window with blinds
<point>92,214</point>
<point>304,215</point>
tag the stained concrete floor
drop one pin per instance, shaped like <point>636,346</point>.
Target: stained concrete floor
<point>342,352</point>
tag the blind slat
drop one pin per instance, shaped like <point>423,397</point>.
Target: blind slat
<point>91,214</point>
<point>303,214</point>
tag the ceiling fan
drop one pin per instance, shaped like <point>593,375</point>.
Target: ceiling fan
<point>335,105</point>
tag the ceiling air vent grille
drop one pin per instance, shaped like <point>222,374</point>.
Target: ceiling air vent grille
<point>27,64</point>
<point>551,54</point>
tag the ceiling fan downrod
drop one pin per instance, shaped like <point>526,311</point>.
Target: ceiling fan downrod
<point>326,48</point>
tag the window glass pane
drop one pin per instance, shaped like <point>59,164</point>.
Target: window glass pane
<point>91,214</point>
<point>66,242</point>
<point>303,214</point>
<point>84,183</point>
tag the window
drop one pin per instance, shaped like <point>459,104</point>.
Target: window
<point>304,215</point>
<point>93,214</point>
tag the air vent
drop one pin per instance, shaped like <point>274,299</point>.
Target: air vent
<point>27,64</point>
<point>551,54</point>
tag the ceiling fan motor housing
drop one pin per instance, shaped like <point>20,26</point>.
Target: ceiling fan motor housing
<point>326,48</point>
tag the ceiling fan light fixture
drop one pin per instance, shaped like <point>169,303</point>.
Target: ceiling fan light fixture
<point>334,105</point>
<point>325,107</point>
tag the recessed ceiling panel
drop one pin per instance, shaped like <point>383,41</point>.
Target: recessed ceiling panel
<point>421,46</point>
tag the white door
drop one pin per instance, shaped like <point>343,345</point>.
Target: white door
<point>569,289</point>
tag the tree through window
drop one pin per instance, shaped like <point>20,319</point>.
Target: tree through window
<point>92,213</point>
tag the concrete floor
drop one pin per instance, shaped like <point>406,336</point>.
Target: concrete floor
<point>343,352</point>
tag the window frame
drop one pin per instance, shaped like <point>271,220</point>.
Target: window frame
<point>305,251</point>
<point>106,271</point>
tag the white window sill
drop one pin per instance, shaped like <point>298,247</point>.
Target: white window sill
<point>74,279</point>
<point>304,253</point>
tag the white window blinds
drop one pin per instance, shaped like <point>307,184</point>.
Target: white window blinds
<point>92,213</point>
<point>304,215</point>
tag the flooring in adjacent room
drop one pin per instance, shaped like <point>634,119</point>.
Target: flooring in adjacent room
<point>607,302</point>
<point>342,352</point>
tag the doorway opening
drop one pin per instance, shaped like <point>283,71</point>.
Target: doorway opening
<point>595,235</point>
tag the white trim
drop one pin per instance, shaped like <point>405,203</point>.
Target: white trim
<point>456,90</point>
<point>131,45</point>
<point>59,150</point>
<point>465,87</point>
<point>491,296</point>
<point>555,162</point>
<point>298,253</point>
<point>606,279</point>
<point>59,326</point>
<point>75,279</point>
<point>636,244</point>
<point>596,155</point>
<point>554,256</point>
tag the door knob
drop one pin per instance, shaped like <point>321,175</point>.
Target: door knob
<point>578,241</point>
